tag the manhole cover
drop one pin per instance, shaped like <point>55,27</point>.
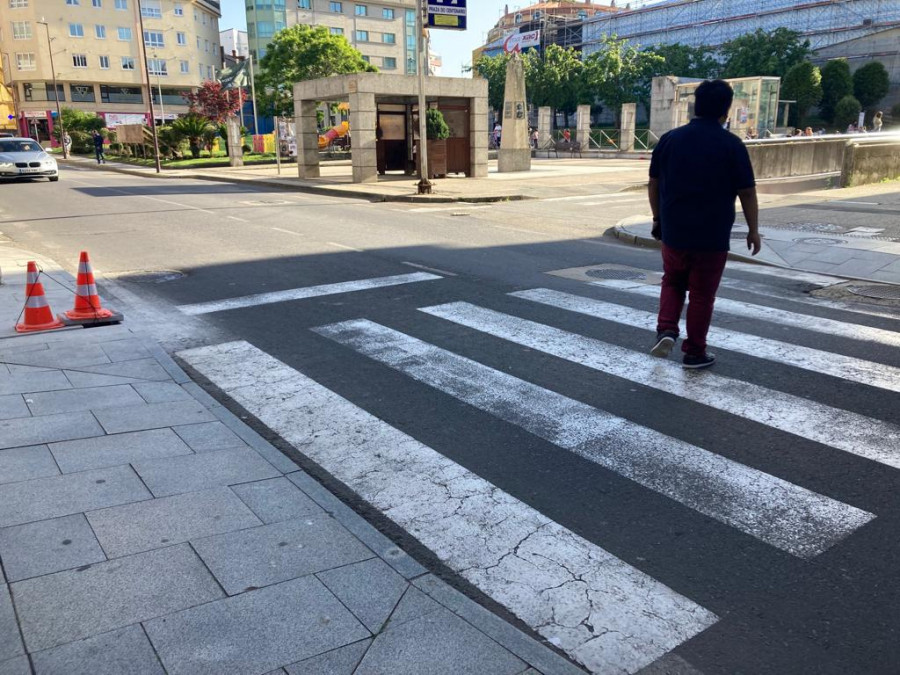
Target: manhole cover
<point>152,276</point>
<point>616,273</point>
<point>878,291</point>
<point>819,241</point>
<point>815,227</point>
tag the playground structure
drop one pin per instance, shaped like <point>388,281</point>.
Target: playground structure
<point>336,132</point>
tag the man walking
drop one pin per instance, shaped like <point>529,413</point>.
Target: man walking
<point>695,174</point>
<point>98,147</point>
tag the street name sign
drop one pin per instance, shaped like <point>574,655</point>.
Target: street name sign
<point>448,14</point>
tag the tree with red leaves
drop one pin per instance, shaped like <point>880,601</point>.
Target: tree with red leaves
<point>214,102</point>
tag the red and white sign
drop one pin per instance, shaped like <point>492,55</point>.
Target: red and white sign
<point>115,119</point>
<point>519,41</point>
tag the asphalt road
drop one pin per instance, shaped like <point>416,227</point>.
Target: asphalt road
<point>764,500</point>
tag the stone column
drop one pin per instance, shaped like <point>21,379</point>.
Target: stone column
<point>628,125</point>
<point>515,150</point>
<point>234,141</point>
<point>362,137</point>
<point>478,137</point>
<point>583,126</point>
<point>307,136</point>
<point>545,126</point>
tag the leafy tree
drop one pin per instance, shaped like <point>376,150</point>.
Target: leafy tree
<point>194,127</point>
<point>836,84</point>
<point>303,53</point>
<point>763,53</point>
<point>619,72</point>
<point>215,102</point>
<point>686,61</point>
<point>871,83</point>
<point>493,69</point>
<point>803,84</point>
<point>553,79</point>
<point>846,112</point>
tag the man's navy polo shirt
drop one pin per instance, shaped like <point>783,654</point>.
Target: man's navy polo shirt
<point>700,168</point>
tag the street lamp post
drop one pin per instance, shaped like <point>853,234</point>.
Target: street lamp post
<point>149,89</point>
<point>424,186</point>
<point>62,126</point>
<point>162,107</point>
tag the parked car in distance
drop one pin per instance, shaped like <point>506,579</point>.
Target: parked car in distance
<point>25,158</point>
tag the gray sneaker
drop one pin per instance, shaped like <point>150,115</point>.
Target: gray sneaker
<point>696,362</point>
<point>664,343</point>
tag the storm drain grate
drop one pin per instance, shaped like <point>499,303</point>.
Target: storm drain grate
<point>877,291</point>
<point>820,241</point>
<point>151,276</point>
<point>620,273</point>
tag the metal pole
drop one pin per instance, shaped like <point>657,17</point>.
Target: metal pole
<point>424,187</point>
<point>149,90</point>
<point>277,145</point>
<point>253,96</point>
<point>62,126</point>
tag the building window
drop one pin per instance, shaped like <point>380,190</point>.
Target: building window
<point>100,32</point>
<point>35,91</point>
<point>18,4</point>
<point>21,30</point>
<point>25,61</point>
<point>76,30</point>
<point>337,7</point>
<point>127,63</point>
<point>337,31</point>
<point>362,36</point>
<point>121,4</point>
<point>151,9</point>
<point>157,67</point>
<point>582,15</point>
<point>518,18</point>
<point>181,39</point>
<point>185,67</point>
<point>116,94</point>
<point>387,13</point>
<point>79,60</point>
<point>209,73</point>
<point>304,4</point>
<point>179,9</point>
<point>264,29</point>
<point>97,3</point>
<point>536,15</point>
<point>73,2</point>
<point>251,29</point>
<point>367,59</point>
<point>154,38</point>
<point>390,63</point>
<point>82,93</point>
<point>361,10</point>
<point>104,63</point>
<point>206,46</point>
<point>198,44</point>
<point>389,38</point>
<point>124,34</point>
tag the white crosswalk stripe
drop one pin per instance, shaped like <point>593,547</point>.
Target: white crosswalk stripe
<point>779,513</point>
<point>603,612</point>
<point>817,361</point>
<point>816,324</point>
<point>842,429</point>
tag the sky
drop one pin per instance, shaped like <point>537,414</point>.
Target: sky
<point>455,47</point>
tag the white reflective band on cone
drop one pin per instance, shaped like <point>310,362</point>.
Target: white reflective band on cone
<point>36,302</point>
<point>86,290</point>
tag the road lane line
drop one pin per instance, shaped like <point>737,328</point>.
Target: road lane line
<point>783,273</point>
<point>430,269</point>
<point>848,431</point>
<point>296,234</point>
<point>817,361</point>
<point>601,611</point>
<point>817,324</point>
<point>786,516</point>
<point>607,195</point>
<point>344,246</point>
<point>303,293</point>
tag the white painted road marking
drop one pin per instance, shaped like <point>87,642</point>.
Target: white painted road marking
<point>842,429</point>
<point>302,293</point>
<point>817,361</point>
<point>443,273</point>
<point>601,611</point>
<point>783,273</point>
<point>773,510</point>
<point>816,324</point>
<point>604,196</point>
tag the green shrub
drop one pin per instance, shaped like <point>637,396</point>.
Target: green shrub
<point>846,112</point>
<point>436,128</point>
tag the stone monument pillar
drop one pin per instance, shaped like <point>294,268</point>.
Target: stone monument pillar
<point>307,135</point>
<point>234,141</point>
<point>583,126</point>
<point>545,126</point>
<point>629,123</point>
<point>515,149</point>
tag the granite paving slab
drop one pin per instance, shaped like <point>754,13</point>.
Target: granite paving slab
<point>115,449</point>
<point>152,416</point>
<point>161,392</point>
<point>16,666</point>
<point>44,498</point>
<point>143,369</point>
<point>12,405</point>
<point>412,605</point>
<point>10,640</point>
<point>91,398</point>
<point>58,356</point>
<point>270,554</point>
<point>66,606</point>
<point>255,632</point>
<point>156,523</point>
<point>48,546</point>
<point>82,379</point>
<point>209,436</point>
<point>341,661</point>
<point>48,429</point>
<point>439,643</point>
<point>18,464</point>
<point>187,473</point>
<point>125,350</point>
<point>276,499</point>
<point>23,383</point>
<point>370,589</point>
<point>121,652</point>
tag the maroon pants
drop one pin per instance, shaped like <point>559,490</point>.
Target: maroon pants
<point>699,273</point>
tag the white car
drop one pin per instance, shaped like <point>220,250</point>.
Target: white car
<point>25,158</point>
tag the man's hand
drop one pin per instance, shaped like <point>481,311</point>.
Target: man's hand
<point>754,242</point>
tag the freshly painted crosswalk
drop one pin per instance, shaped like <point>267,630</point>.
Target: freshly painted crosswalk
<point>603,612</point>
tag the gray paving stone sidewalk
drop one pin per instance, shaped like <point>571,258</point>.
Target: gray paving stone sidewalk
<point>144,529</point>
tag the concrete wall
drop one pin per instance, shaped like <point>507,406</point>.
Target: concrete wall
<point>802,157</point>
<point>870,163</point>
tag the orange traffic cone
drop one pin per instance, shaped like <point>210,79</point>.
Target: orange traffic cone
<point>37,312</point>
<point>87,302</point>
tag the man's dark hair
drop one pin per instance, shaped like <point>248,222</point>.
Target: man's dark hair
<point>713,98</point>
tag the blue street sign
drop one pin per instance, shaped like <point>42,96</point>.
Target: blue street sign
<point>10,117</point>
<point>448,14</point>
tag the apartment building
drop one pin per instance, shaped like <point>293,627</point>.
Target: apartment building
<point>384,31</point>
<point>234,42</point>
<point>98,60</point>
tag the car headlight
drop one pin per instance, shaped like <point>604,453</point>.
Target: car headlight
<point>6,165</point>
<point>49,162</point>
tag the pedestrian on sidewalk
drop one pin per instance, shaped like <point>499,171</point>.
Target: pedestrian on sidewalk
<point>98,147</point>
<point>696,172</point>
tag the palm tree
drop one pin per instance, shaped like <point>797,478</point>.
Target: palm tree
<point>194,127</point>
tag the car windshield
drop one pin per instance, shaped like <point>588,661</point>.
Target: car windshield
<point>19,146</point>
